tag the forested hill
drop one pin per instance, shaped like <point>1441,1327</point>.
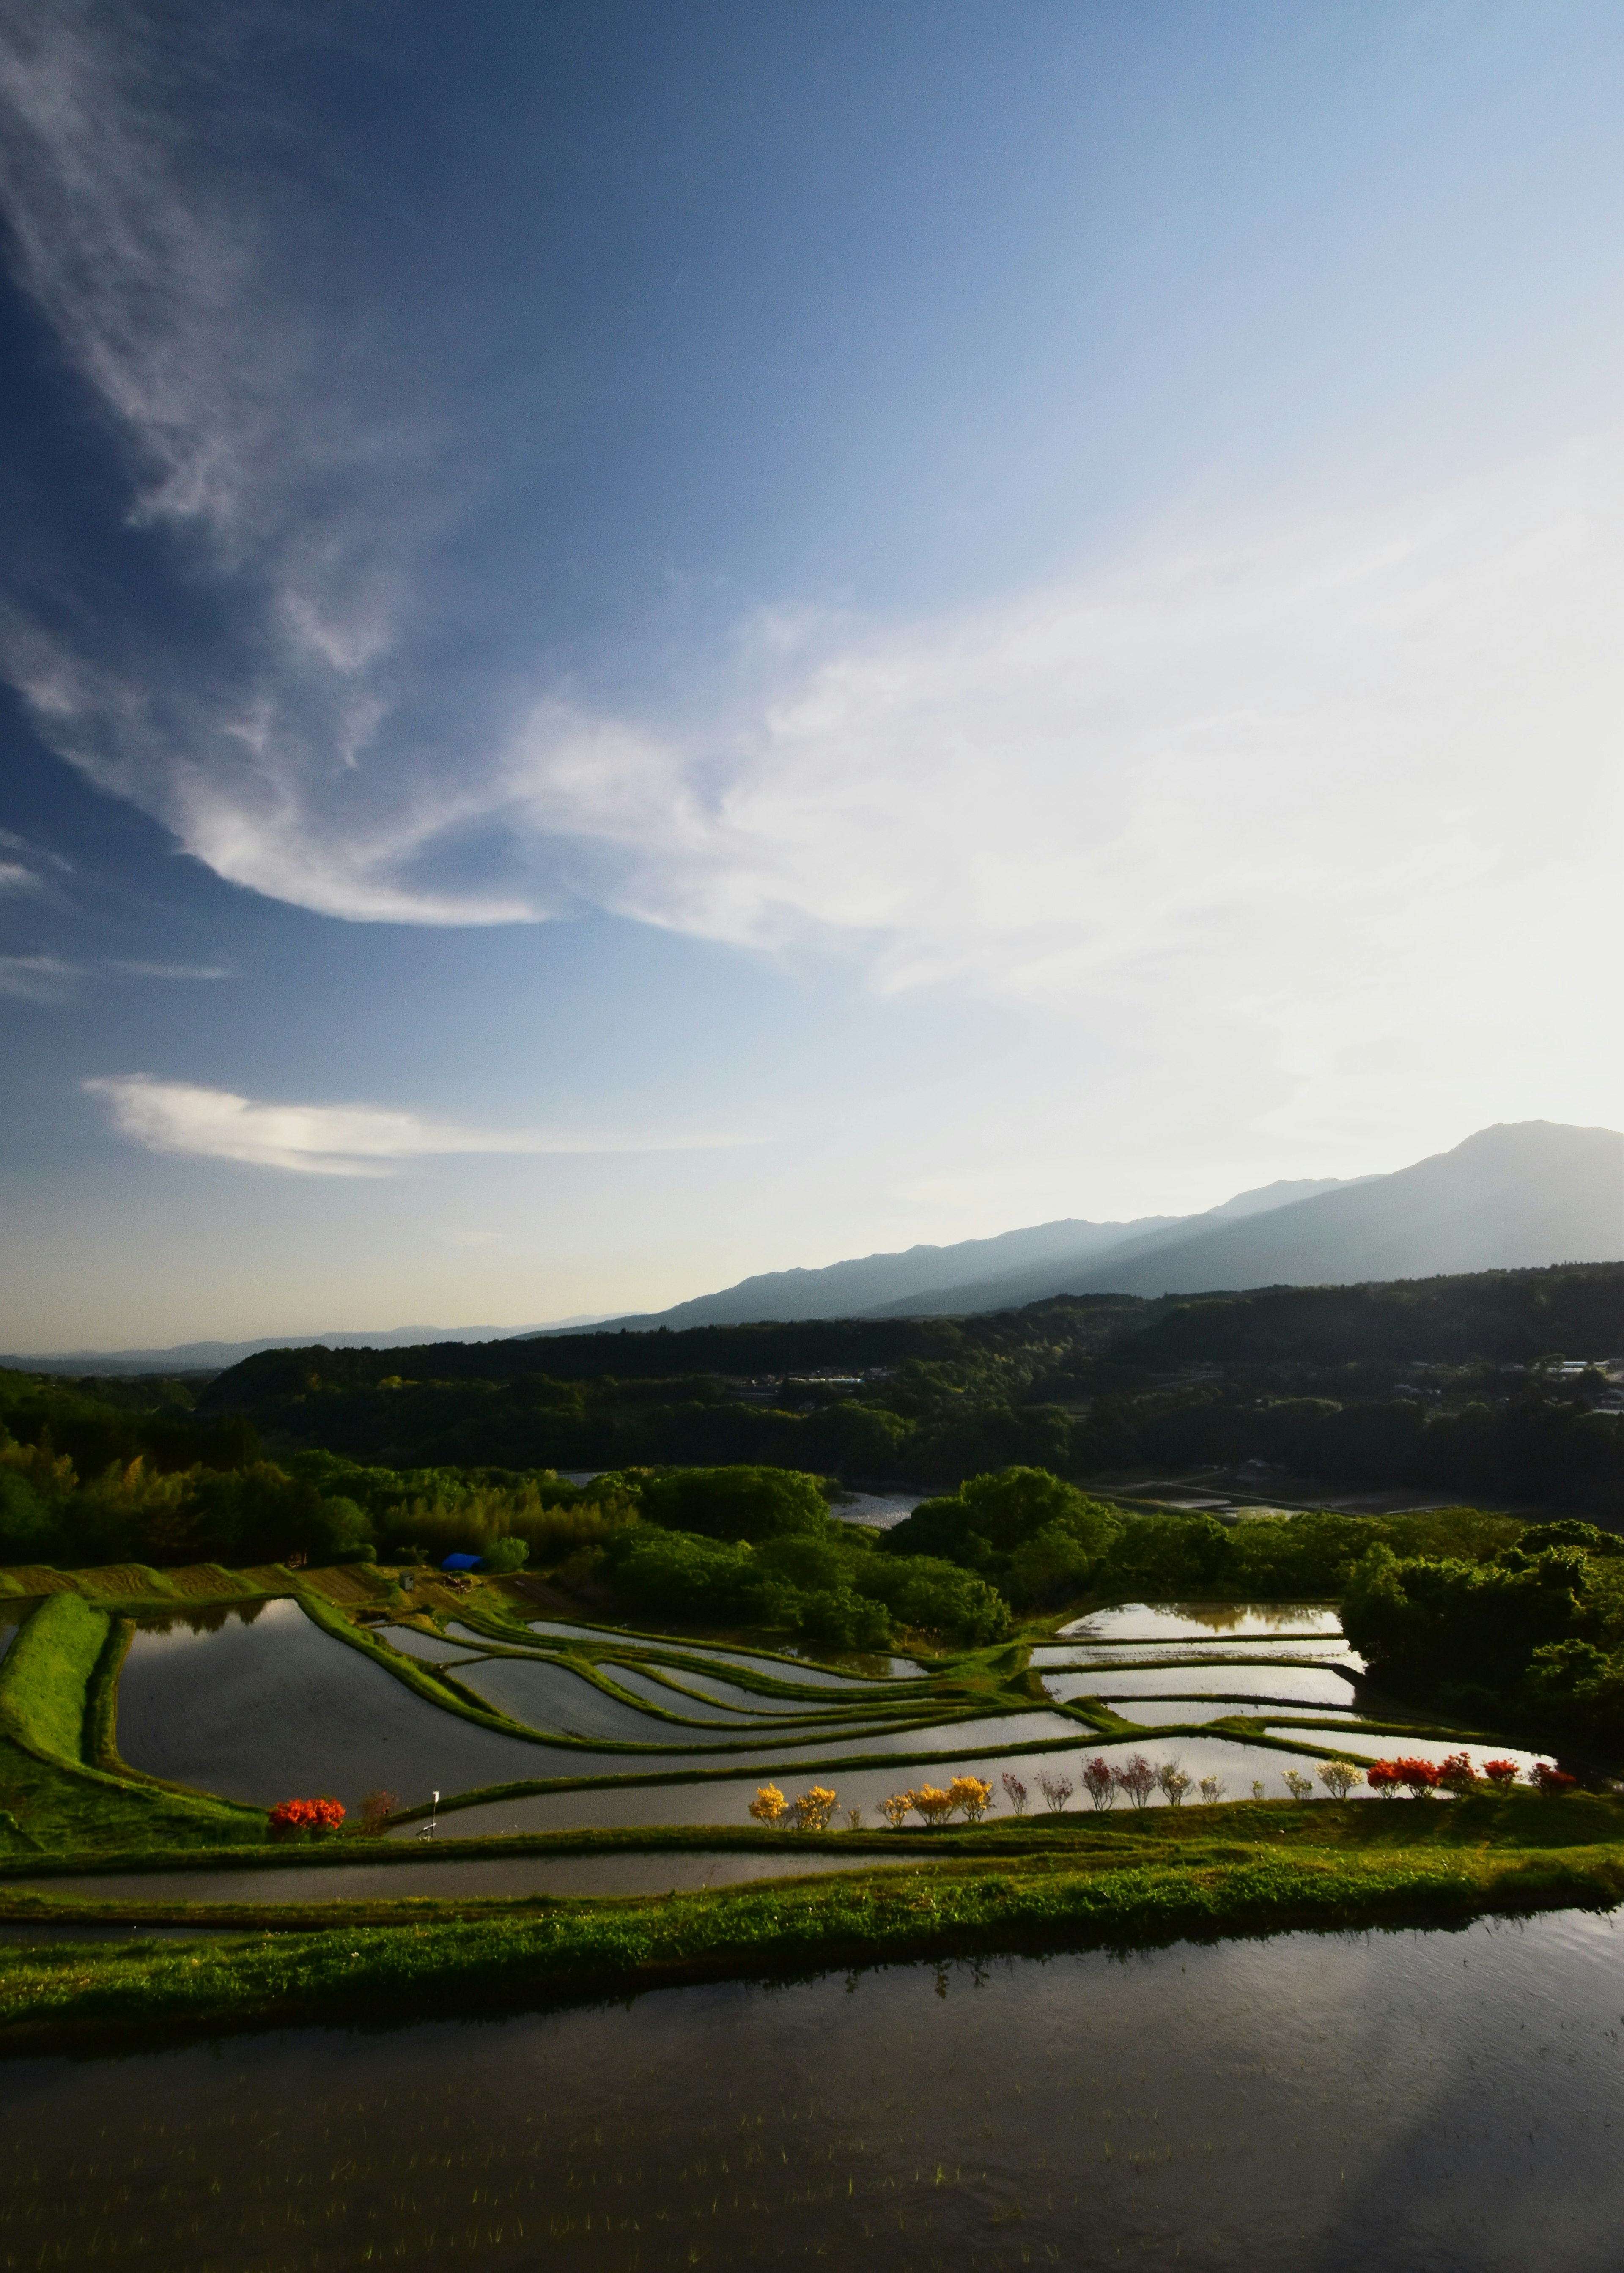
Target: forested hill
<point>1508,1316</point>
<point>1406,1383</point>
<point>1511,1316</point>
<point>1086,1324</point>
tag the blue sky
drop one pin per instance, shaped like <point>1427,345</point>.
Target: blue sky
<point>642,644</point>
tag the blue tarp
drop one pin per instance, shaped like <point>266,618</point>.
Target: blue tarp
<point>460,1563</point>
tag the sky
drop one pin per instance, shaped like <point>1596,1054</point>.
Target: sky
<point>641,644</point>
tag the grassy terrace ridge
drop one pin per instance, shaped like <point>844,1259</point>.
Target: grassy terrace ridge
<point>1129,1882</point>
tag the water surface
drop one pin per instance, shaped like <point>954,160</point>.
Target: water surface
<point>459,1880</point>
<point>1283,1684</point>
<point>727,1800</point>
<point>1193,1621</point>
<point>1412,2103</point>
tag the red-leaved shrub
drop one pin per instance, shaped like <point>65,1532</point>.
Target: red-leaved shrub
<point>1411,1775</point>
<point>1418,1777</point>
<point>1501,1774</point>
<point>291,1816</point>
<point>1550,1781</point>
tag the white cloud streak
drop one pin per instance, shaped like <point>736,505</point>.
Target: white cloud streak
<point>35,977</point>
<point>327,1140</point>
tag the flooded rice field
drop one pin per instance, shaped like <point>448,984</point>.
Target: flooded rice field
<point>1169,1712</point>
<point>1282,1684</point>
<point>461,1880</point>
<point>267,1704</point>
<point>1273,1651</point>
<point>1203,1621</point>
<point>426,1649</point>
<point>550,1695</point>
<point>678,1691</point>
<point>261,1703</point>
<point>727,1799</point>
<point>1364,1745</point>
<point>1422,2103</point>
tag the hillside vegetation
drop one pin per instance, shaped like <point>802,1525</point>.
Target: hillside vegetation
<point>1090,1388</point>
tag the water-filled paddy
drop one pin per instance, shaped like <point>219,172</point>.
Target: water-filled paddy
<point>799,1675</point>
<point>427,1649</point>
<point>548,1696</point>
<point>726,1800</point>
<point>1366,1744</point>
<point>1196,1621</point>
<point>1439,2102</point>
<point>1259,1651</point>
<point>265,1705</point>
<point>1282,1684</point>
<point>1167,1711</point>
<point>660,1686</point>
<point>462,1880</point>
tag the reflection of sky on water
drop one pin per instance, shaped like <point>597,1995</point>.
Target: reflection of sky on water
<point>793,1670</point>
<point>1190,1621</point>
<point>1365,1746</point>
<point>1305,1684</point>
<point>727,1802</point>
<point>1303,2101</point>
<point>427,1649</point>
<point>1228,1652</point>
<point>660,1689</point>
<point>1163,1712</point>
<point>458,1881</point>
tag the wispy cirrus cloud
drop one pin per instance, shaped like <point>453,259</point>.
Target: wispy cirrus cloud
<point>35,977</point>
<point>1241,794</point>
<point>52,978</point>
<point>330,1140</point>
<point>180,971</point>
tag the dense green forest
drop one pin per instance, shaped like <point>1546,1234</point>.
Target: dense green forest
<point>1531,1634</point>
<point>1307,1379</point>
<point>712,1503</point>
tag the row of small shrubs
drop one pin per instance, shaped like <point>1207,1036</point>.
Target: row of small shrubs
<point>1136,1780</point>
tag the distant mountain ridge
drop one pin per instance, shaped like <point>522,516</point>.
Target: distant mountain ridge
<point>1518,1196</point>
<point>912,1282</point>
<point>201,1357</point>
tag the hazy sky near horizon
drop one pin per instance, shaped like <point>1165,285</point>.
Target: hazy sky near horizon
<point>642,644</point>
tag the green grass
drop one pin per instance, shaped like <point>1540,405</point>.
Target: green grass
<point>62,1788</point>
<point>1162,1876</point>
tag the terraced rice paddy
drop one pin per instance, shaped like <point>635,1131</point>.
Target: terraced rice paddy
<point>1279,1684</point>
<point>1190,1622</point>
<point>627,1806</point>
<point>268,1704</point>
<point>671,1730</point>
<point>677,1690</point>
<point>459,1880</point>
<point>1181,1712</point>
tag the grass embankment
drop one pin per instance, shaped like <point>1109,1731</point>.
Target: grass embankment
<point>1132,1881</point>
<point>62,1788</point>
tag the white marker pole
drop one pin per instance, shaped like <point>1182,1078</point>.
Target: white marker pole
<point>434,1817</point>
